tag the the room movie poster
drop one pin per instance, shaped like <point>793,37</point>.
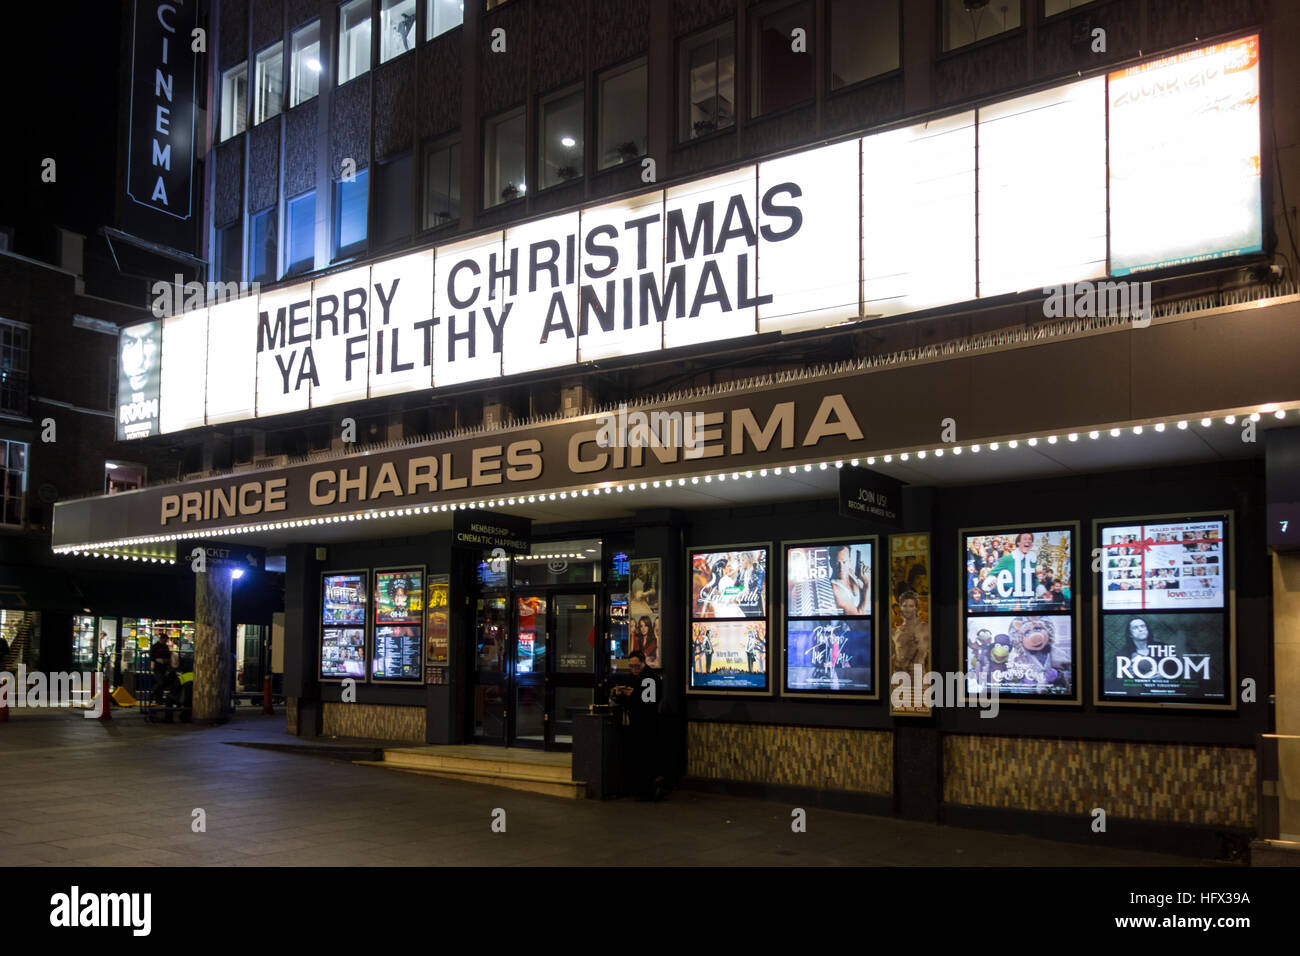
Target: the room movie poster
<point>1160,656</point>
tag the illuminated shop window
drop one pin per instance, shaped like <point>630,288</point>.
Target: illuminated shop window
<point>503,159</point>
<point>443,15</point>
<point>269,83</point>
<point>782,76</point>
<point>300,237</point>
<point>966,21</point>
<point>304,64</point>
<point>707,83</point>
<point>234,100</point>
<point>354,39</point>
<point>396,28</point>
<point>621,100</point>
<point>863,38</point>
<point>560,138</point>
<point>351,205</point>
<point>123,476</point>
<point>441,183</point>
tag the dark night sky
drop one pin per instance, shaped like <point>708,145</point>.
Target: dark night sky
<point>61,69</point>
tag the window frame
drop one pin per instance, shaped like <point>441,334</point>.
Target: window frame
<point>557,95</point>
<point>518,112</point>
<point>339,252</point>
<point>308,264</point>
<point>415,30</point>
<point>680,77</point>
<point>428,22</point>
<point>273,212</point>
<point>610,72</point>
<point>258,120</point>
<point>944,52</point>
<point>383,168</point>
<point>219,259</point>
<point>342,8</point>
<point>290,86</point>
<point>752,64</point>
<point>866,81</point>
<point>25,330</point>
<point>21,497</point>
<point>233,72</point>
<point>438,144</point>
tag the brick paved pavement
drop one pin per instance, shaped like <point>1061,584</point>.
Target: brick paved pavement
<point>78,792</point>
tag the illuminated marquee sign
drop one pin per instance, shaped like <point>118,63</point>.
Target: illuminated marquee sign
<point>881,225</point>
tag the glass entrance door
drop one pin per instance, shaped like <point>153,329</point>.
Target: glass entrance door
<point>553,676</point>
<point>577,635</point>
<point>531,677</point>
<point>492,657</point>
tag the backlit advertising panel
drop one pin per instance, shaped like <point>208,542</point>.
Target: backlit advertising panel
<point>138,377</point>
<point>829,580</point>
<point>1020,656</point>
<point>729,655</point>
<point>1019,570</point>
<point>1185,167</point>
<point>729,584</point>
<point>1164,656</point>
<point>1163,565</point>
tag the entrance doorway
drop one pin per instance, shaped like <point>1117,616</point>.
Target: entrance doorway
<point>538,647</point>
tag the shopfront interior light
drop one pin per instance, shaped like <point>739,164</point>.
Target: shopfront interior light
<point>1094,435</point>
<point>993,446</point>
<point>1033,442</point>
<point>903,457</point>
<point>920,454</point>
<point>1280,413</point>
<point>1137,429</point>
<point>1254,416</point>
<point>956,450</point>
<point>1114,433</point>
<point>888,459</point>
<point>1230,420</point>
<point>1160,426</point>
<point>1051,439</point>
<point>1013,443</point>
<point>938,453</point>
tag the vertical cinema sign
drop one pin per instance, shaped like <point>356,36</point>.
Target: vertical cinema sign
<point>160,149</point>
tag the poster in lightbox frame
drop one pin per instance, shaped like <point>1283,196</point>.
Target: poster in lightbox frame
<point>1163,657</point>
<point>1019,569</point>
<point>343,653</point>
<point>643,616</point>
<point>1061,631</point>
<point>729,583</point>
<point>343,598</point>
<point>823,581</point>
<point>399,595</point>
<point>909,623</point>
<point>829,656</point>
<point>1198,634</point>
<point>1163,564</point>
<point>397,654</point>
<point>729,655</point>
<point>343,631</point>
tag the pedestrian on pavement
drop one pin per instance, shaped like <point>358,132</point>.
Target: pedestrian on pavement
<point>637,694</point>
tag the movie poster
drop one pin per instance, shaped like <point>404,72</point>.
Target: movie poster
<point>729,584</point>
<point>831,579</point>
<point>729,655</point>
<point>138,380</point>
<point>1020,656</point>
<point>437,642</point>
<point>1164,656</point>
<point>343,653</point>
<point>1170,564</point>
<point>399,596</point>
<point>1019,570</point>
<point>828,655</point>
<point>397,653</point>
<point>343,599</point>
<point>909,618</point>
<point>643,610</point>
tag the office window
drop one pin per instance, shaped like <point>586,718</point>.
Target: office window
<point>707,83</point>
<point>503,159</point>
<point>234,100</point>
<point>393,200</point>
<point>13,476</point>
<point>966,21</point>
<point>262,246</point>
<point>864,40</point>
<point>441,183</point>
<point>782,76</point>
<point>354,39</point>
<point>1053,7</point>
<point>396,28</point>
<point>228,261</point>
<point>443,15</point>
<point>621,98</point>
<point>269,83</point>
<point>300,236</point>
<point>351,205</point>
<point>304,64</point>
<point>15,350</point>
<point>559,138</point>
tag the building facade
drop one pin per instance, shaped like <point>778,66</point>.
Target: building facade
<point>799,345</point>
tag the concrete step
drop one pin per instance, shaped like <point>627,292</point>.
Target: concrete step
<point>511,779</point>
<point>501,762</point>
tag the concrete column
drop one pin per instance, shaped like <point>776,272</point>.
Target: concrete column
<point>212,644</point>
